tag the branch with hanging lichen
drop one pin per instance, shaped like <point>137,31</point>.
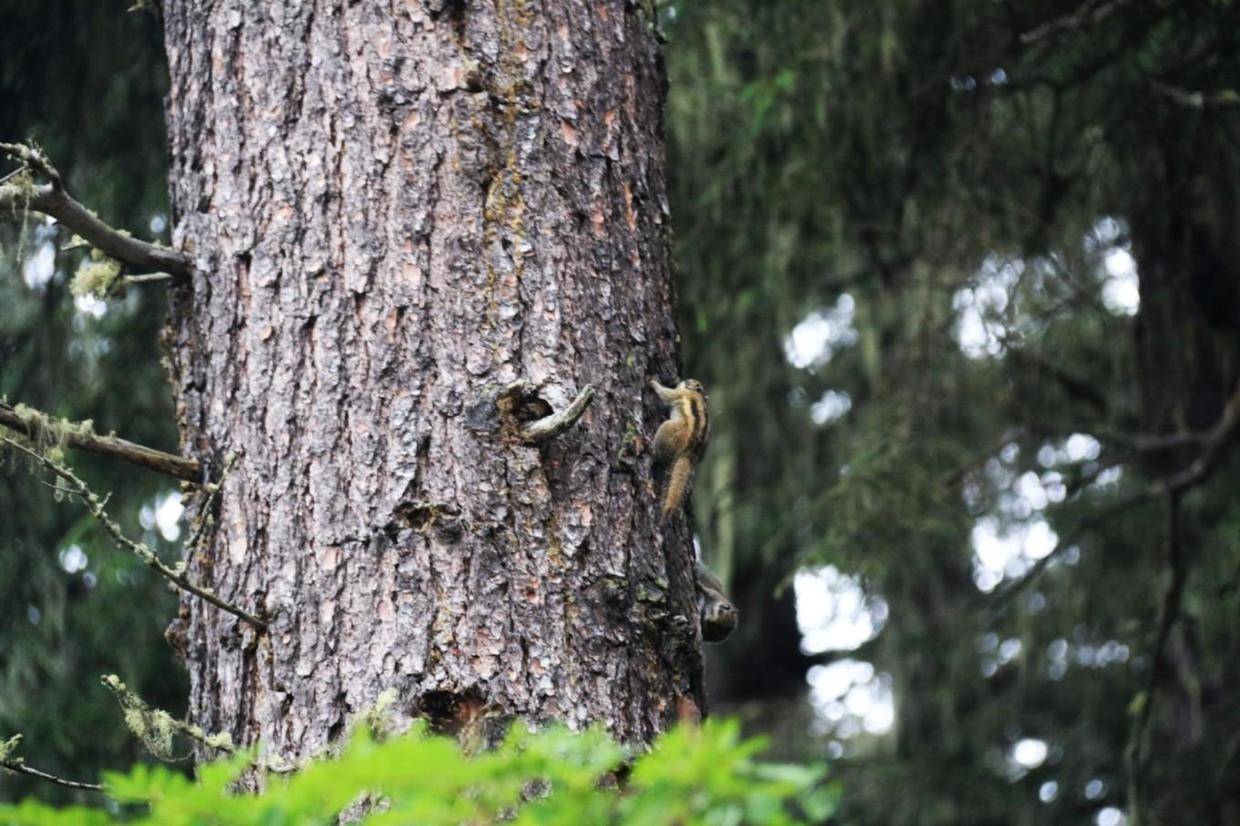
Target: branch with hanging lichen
<point>95,506</point>
<point>32,157</point>
<point>48,432</point>
<point>18,766</point>
<point>101,276</point>
<point>23,192</point>
<point>156,728</point>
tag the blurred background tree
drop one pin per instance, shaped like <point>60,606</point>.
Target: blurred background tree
<point>953,272</point>
<point>962,280</point>
<point>85,80</point>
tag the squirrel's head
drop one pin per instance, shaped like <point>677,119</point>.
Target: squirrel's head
<point>719,620</point>
<point>694,385</point>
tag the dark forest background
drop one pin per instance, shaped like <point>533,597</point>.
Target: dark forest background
<point>963,282</point>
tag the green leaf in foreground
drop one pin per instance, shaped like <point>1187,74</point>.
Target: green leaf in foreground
<point>706,775</point>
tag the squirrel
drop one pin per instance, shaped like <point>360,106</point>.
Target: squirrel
<point>718,614</point>
<point>681,440</point>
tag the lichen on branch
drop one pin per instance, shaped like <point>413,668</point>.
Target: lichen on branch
<point>97,276</point>
<point>95,506</point>
<point>23,193</point>
<point>156,728</point>
<point>17,765</point>
<point>48,434</point>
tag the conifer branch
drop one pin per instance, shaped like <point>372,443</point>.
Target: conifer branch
<point>1213,446</point>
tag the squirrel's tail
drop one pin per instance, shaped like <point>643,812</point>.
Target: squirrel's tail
<point>677,482</point>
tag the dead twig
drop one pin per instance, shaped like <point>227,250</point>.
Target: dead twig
<point>18,766</point>
<point>551,426</point>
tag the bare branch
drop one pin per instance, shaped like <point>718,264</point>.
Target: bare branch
<point>139,549</point>
<point>22,768</point>
<point>110,446</point>
<point>1134,444</point>
<point>52,199</point>
<point>1212,443</point>
<point>1196,99</point>
<point>551,426</point>
<point>1212,448</point>
<point>1090,13</point>
<point>60,205</point>
<point>146,278</point>
<point>18,766</point>
<point>1138,745</point>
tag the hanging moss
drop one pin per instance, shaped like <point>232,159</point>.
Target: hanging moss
<point>49,435</point>
<point>97,276</point>
<point>154,727</point>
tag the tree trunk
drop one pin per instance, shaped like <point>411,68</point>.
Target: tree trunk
<point>396,210</point>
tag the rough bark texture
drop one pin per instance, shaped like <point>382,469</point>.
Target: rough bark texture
<point>396,210</point>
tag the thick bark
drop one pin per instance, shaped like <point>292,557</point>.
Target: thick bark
<point>396,210</point>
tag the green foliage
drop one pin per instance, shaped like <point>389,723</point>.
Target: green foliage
<point>707,776</point>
